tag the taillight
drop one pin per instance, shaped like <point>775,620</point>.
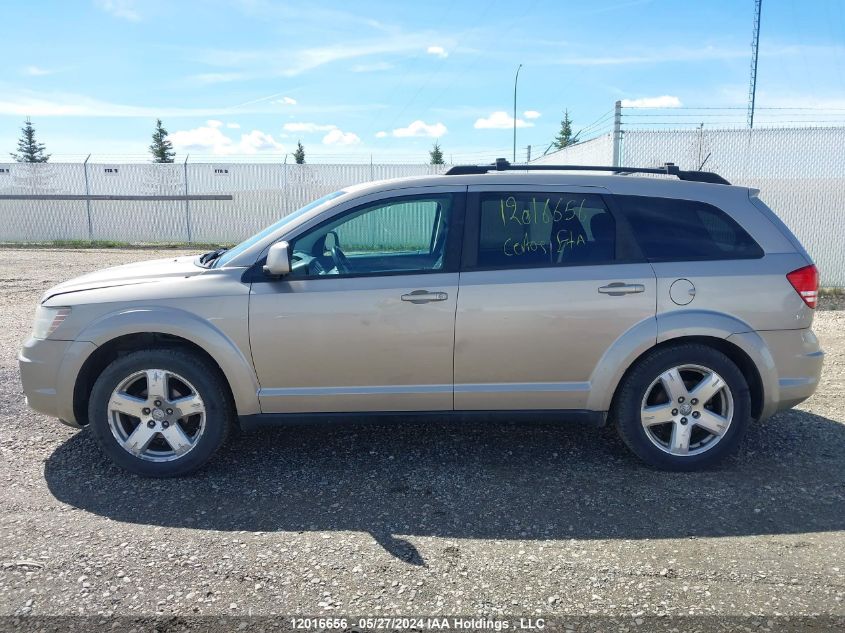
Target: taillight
<point>806,283</point>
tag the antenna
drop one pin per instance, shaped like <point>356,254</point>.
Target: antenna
<point>755,41</point>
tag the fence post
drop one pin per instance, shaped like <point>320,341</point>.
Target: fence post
<point>617,133</point>
<point>528,157</point>
<point>88,201</point>
<point>187,207</point>
<point>286,201</point>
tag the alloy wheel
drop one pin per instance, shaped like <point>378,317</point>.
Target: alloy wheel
<point>687,410</point>
<point>156,415</point>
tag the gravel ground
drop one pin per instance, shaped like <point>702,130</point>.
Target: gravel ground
<point>435,519</point>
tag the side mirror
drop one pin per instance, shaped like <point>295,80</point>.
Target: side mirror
<point>278,259</point>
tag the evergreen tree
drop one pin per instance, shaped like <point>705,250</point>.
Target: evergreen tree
<point>565,137</point>
<point>161,148</point>
<point>29,150</point>
<point>436,154</point>
<point>299,154</point>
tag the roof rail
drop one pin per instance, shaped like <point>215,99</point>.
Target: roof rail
<point>667,169</point>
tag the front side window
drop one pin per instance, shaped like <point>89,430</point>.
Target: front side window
<point>675,230</point>
<point>544,229</point>
<point>402,235</point>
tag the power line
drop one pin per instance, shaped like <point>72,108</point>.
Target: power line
<point>598,122</point>
<point>478,55</point>
<point>757,108</point>
<point>829,123</point>
<point>710,116</point>
<point>439,67</point>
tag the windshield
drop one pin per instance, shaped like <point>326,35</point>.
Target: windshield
<point>233,252</point>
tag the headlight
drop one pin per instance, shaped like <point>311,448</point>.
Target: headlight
<point>47,320</point>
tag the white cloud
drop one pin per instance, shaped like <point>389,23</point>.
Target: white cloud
<point>421,128</point>
<point>666,101</point>
<point>675,54</point>
<point>202,139</point>
<point>258,141</point>
<point>307,128</point>
<point>500,120</point>
<point>287,101</point>
<point>213,123</point>
<point>233,126</point>
<point>531,114</point>
<point>339,137</point>
<point>240,64</point>
<point>36,71</point>
<point>123,9</point>
<point>217,78</point>
<point>654,56</point>
<point>211,139</point>
<point>381,134</point>
<point>24,102</point>
<point>371,68</point>
<point>67,104</point>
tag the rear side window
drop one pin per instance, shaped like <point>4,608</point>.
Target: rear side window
<point>518,230</point>
<point>669,229</point>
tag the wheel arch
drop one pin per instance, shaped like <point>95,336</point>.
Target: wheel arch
<point>734,352</point>
<point>131,330</point>
<point>105,354</point>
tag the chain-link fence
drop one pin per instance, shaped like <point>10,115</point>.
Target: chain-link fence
<point>261,194</point>
<point>800,173</point>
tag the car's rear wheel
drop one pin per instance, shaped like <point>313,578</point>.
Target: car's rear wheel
<point>683,407</point>
<point>160,412</point>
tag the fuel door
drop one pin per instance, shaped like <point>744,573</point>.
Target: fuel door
<point>682,292</point>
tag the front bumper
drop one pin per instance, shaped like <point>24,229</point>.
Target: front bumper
<point>48,374</point>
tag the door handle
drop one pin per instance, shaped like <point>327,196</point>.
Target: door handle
<point>424,296</point>
<point>619,288</point>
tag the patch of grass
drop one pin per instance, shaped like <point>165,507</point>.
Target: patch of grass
<point>831,292</point>
<point>85,244</point>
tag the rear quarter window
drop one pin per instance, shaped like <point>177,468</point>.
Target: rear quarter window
<point>669,229</point>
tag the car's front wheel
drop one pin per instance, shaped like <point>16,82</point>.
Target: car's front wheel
<point>160,412</point>
<point>683,407</point>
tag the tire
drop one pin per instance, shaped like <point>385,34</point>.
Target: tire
<point>650,393</point>
<point>157,435</point>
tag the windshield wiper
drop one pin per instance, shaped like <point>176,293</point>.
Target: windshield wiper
<point>212,255</point>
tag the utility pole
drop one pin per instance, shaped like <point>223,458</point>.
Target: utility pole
<point>755,40</point>
<point>617,133</point>
<point>515,79</point>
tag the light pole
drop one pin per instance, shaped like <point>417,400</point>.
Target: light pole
<point>515,79</point>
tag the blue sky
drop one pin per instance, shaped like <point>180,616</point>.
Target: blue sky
<point>354,79</point>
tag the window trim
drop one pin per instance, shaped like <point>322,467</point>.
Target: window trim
<point>454,239</point>
<point>627,249</point>
<point>690,258</point>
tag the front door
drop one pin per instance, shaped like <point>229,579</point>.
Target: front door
<point>551,280</point>
<point>366,319</point>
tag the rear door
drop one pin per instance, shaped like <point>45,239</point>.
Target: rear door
<point>550,279</point>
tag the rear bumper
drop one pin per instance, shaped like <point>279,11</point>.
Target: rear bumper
<point>789,363</point>
<point>48,374</point>
<point>798,358</point>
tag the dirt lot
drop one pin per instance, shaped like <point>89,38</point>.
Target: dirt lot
<point>436,519</point>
